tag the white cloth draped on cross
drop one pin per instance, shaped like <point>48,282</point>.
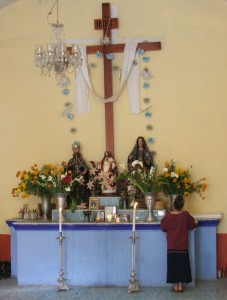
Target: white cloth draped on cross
<point>130,75</point>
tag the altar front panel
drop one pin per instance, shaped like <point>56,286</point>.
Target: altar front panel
<point>93,255</point>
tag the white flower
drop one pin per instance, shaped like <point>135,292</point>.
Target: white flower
<point>152,171</point>
<point>137,162</point>
<point>50,178</point>
<point>165,170</point>
<point>172,174</point>
<point>67,189</point>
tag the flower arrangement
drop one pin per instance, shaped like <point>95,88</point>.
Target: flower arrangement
<point>46,181</point>
<point>179,181</point>
<point>145,182</point>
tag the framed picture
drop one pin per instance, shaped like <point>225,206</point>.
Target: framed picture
<point>100,216</point>
<point>94,203</point>
<point>110,210</point>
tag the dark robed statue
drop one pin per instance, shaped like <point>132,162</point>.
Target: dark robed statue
<point>77,165</point>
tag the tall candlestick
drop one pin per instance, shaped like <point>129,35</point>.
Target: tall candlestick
<point>60,219</point>
<point>134,217</point>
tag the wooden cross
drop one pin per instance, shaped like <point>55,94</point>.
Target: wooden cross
<point>106,24</point>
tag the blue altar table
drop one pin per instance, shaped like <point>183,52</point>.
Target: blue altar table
<point>99,254</point>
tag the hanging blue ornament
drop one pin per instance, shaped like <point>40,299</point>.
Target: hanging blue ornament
<point>110,56</point>
<point>151,140</point>
<point>146,59</point>
<point>140,51</point>
<point>146,85</point>
<point>148,114</point>
<point>66,91</point>
<point>99,54</point>
<point>70,117</point>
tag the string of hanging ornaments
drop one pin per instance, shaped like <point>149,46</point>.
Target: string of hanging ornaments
<point>56,58</point>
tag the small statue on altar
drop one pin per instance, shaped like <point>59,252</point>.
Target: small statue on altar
<point>77,165</point>
<point>108,172</point>
<point>141,153</point>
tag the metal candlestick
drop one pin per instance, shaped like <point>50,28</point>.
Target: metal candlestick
<point>61,281</point>
<point>133,286</point>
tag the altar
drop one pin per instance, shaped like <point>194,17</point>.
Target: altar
<point>99,254</point>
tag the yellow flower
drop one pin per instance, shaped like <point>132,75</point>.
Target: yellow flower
<point>26,177</point>
<point>18,191</point>
<point>23,185</point>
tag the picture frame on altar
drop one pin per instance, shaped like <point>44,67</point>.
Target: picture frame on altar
<point>100,216</point>
<point>94,203</point>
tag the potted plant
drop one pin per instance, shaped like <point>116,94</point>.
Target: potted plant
<point>180,181</point>
<point>144,181</point>
<point>44,182</point>
<point>149,183</point>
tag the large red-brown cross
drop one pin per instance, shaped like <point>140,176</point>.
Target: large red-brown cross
<point>106,24</point>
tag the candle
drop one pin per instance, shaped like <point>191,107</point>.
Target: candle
<point>60,219</point>
<point>109,217</point>
<point>134,217</point>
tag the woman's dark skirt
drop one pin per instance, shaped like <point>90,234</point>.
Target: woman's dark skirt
<point>178,267</point>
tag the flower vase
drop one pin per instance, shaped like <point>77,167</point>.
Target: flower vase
<point>46,206</point>
<point>172,198</point>
<point>150,202</point>
<point>61,202</point>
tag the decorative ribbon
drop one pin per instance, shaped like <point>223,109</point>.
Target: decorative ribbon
<point>130,74</point>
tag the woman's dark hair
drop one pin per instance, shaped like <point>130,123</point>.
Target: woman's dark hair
<point>178,202</point>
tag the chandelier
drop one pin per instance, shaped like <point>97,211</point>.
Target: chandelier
<point>56,58</point>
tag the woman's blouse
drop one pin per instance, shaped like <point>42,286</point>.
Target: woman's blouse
<point>176,226</point>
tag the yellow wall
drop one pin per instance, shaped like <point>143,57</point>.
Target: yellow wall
<point>188,93</point>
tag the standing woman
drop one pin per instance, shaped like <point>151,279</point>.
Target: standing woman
<point>176,225</point>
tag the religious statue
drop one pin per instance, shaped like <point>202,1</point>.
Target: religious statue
<point>108,172</point>
<point>77,165</point>
<point>141,153</point>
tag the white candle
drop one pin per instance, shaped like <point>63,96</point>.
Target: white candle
<point>109,217</point>
<point>60,219</point>
<point>134,217</point>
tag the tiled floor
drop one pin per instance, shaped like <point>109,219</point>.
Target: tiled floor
<point>204,290</point>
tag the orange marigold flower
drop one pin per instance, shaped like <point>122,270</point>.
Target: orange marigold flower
<point>186,180</point>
